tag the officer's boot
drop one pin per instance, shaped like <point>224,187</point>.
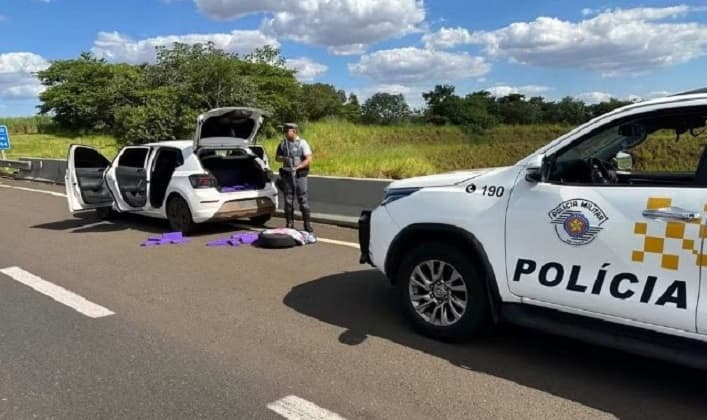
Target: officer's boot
<point>307,218</point>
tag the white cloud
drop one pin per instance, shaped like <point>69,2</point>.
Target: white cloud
<point>659,93</point>
<point>117,47</point>
<point>411,65</point>
<point>594,97</point>
<point>307,70</point>
<point>527,90</point>
<point>17,79</point>
<point>447,38</point>
<point>346,26</point>
<point>612,42</point>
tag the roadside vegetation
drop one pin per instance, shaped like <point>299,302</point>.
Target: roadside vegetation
<point>355,150</point>
<point>90,101</point>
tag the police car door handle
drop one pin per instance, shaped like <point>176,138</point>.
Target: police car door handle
<point>673,213</point>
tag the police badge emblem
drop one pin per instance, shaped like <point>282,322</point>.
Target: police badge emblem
<point>577,221</point>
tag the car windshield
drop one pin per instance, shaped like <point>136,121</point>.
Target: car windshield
<point>601,144</point>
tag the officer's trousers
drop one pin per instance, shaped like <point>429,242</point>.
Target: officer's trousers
<point>295,186</point>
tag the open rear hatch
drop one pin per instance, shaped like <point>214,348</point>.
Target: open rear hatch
<point>227,128</point>
<point>235,169</point>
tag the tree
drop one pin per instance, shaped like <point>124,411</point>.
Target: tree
<point>571,111</point>
<point>321,100</point>
<point>604,107</point>
<point>83,93</point>
<point>155,119</point>
<point>441,104</point>
<point>352,108</point>
<point>515,109</point>
<point>385,108</point>
<point>446,107</point>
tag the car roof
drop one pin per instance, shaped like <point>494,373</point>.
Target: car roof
<point>177,144</point>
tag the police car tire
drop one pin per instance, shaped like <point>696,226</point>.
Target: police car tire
<point>475,318</point>
<point>275,240</point>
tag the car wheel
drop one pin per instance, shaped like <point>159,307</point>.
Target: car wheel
<point>260,220</point>
<point>275,240</point>
<point>443,293</point>
<point>179,216</point>
<point>105,213</point>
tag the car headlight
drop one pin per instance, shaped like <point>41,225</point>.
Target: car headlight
<point>396,194</point>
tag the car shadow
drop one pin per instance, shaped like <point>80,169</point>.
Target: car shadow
<point>89,222</point>
<point>628,386</point>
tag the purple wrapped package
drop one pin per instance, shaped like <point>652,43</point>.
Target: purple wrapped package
<point>236,188</point>
<point>167,238</point>
<point>236,239</point>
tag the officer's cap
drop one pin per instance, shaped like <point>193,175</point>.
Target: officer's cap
<point>288,126</point>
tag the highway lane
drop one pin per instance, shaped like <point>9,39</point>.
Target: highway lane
<point>224,332</point>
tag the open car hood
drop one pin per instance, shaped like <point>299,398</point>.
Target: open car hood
<point>228,127</point>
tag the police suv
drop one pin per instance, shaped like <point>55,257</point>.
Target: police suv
<point>581,238</point>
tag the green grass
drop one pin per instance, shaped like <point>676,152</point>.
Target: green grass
<point>346,149</point>
<point>27,125</point>
<point>53,146</point>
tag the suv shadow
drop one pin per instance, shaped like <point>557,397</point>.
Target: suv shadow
<point>625,385</point>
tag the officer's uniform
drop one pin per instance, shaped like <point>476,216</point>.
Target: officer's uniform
<point>295,152</point>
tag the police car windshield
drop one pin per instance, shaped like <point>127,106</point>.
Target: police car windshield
<point>602,144</point>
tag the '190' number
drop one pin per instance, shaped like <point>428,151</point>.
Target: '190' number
<point>493,191</point>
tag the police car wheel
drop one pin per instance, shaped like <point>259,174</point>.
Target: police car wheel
<point>179,216</point>
<point>443,293</point>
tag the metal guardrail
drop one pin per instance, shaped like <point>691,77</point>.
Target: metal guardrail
<point>334,200</point>
<point>16,164</point>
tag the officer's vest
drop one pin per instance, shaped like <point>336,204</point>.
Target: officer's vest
<point>294,150</point>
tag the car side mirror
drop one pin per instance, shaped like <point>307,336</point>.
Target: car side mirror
<point>624,161</point>
<point>533,175</point>
<point>534,170</point>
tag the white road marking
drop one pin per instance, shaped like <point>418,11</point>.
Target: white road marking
<point>342,243</point>
<point>56,194</point>
<point>57,293</point>
<point>296,408</point>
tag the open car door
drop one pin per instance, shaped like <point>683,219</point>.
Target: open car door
<point>85,185</point>
<point>128,178</point>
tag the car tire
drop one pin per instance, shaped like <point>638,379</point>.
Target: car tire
<point>260,220</point>
<point>275,240</point>
<point>431,308</point>
<point>105,213</point>
<point>179,216</point>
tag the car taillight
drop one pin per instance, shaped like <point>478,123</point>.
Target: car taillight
<point>202,181</point>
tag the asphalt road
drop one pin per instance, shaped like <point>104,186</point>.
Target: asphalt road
<point>201,332</point>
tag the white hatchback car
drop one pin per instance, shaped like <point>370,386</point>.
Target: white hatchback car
<point>221,175</point>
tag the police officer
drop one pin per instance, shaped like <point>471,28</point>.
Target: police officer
<point>296,157</point>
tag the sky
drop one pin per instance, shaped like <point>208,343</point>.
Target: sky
<point>591,50</point>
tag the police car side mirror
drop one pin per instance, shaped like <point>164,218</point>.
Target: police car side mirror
<point>533,175</point>
<point>534,170</point>
<point>624,161</point>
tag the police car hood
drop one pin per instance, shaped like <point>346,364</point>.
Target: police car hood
<point>440,180</point>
